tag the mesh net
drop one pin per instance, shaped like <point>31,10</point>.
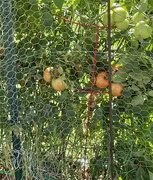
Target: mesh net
<point>65,112</point>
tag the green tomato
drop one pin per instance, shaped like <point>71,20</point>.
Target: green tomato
<point>143,30</point>
<point>138,17</point>
<point>123,25</point>
<point>119,14</point>
<point>105,18</point>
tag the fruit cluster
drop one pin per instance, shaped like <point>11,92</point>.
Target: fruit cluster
<point>57,83</point>
<point>102,81</point>
<point>136,23</point>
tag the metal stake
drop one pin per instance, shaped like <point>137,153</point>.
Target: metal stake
<point>110,93</point>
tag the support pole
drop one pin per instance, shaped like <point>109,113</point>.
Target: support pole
<point>110,94</point>
<point>7,33</point>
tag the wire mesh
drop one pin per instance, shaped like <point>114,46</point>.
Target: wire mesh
<point>76,90</point>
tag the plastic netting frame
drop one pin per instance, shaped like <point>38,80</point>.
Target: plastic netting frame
<point>81,132</point>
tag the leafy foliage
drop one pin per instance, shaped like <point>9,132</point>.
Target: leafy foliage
<point>53,124</point>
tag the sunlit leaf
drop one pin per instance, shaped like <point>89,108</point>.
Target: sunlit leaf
<point>111,2</point>
<point>59,3</point>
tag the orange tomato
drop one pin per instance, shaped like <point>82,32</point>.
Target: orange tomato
<point>117,89</point>
<point>115,69</point>
<point>47,75</point>
<point>101,81</point>
<point>58,84</point>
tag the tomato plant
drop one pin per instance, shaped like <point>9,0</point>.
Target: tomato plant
<point>54,117</point>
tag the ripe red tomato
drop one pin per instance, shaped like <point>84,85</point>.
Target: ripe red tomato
<point>117,89</point>
<point>101,80</point>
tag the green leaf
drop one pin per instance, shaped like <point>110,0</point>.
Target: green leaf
<point>137,100</point>
<point>59,3</point>
<point>135,76</point>
<point>145,77</point>
<point>135,88</point>
<point>128,4</point>
<point>120,76</point>
<point>150,175</point>
<point>60,70</point>
<point>75,3</point>
<point>143,7</point>
<point>111,2</point>
<point>150,93</point>
<point>19,76</point>
<point>47,19</point>
<point>33,1</point>
<point>150,2</point>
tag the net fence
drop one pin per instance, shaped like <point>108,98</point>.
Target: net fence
<point>76,90</point>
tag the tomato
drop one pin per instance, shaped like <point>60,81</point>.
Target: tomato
<point>115,69</point>
<point>105,18</point>
<point>119,14</point>
<point>123,25</point>
<point>58,84</point>
<point>117,89</point>
<point>142,29</point>
<point>101,81</point>
<point>47,75</point>
<point>138,17</point>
